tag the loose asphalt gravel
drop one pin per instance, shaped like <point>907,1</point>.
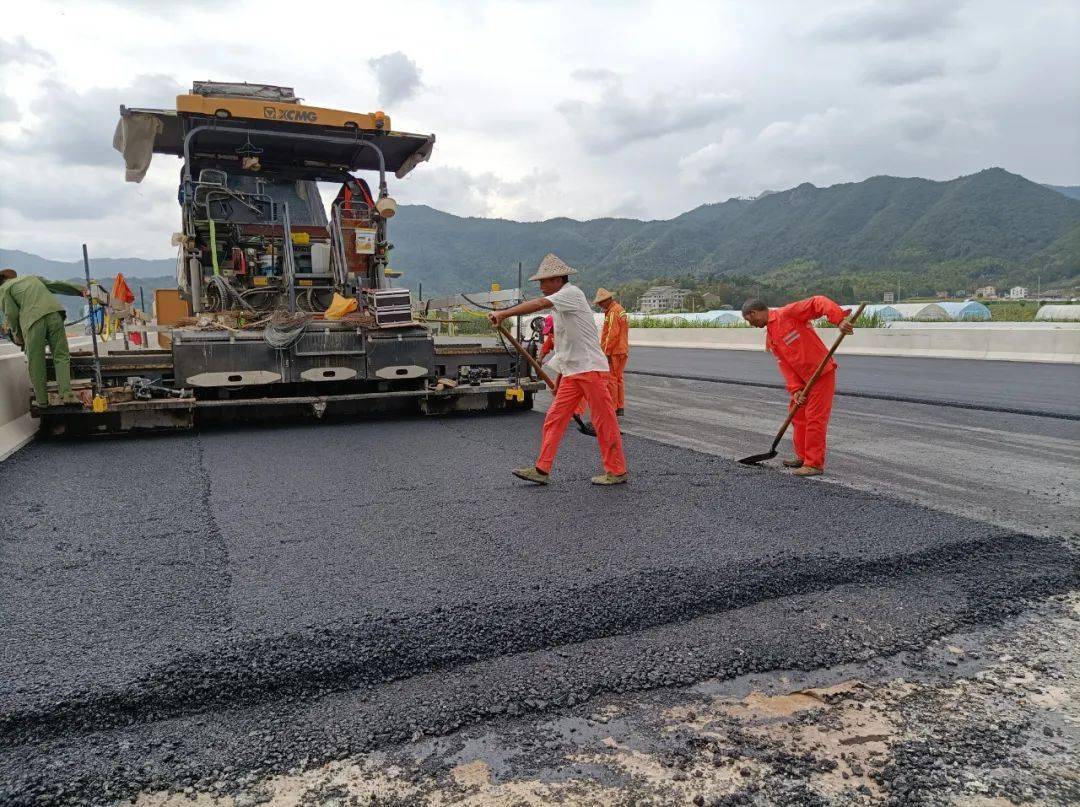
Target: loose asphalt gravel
<point>221,605</point>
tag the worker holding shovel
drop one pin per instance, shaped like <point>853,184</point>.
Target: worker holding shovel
<point>804,362</point>
<point>584,371</point>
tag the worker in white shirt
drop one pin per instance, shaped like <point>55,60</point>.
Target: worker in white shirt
<point>584,369</point>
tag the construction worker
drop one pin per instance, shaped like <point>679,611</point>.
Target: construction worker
<point>615,342</point>
<point>583,368</point>
<point>799,350</point>
<point>35,319</point>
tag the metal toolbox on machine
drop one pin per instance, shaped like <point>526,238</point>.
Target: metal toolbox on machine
<point>389,306</point>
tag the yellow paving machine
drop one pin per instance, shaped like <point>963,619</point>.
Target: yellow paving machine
<point>284,306</point>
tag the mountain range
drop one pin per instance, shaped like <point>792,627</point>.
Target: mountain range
<point>986,227</point>
<point>992,226</point>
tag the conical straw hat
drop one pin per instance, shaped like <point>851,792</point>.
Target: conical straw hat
<point>552,266</point>
<point>601,295</point>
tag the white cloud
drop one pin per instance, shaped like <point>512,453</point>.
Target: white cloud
<point>889,20</point>
<point>18,52</point>
<point>894,71</point>
<point>464,193</point>
<point>552,107</point>
<point>76,127</point>
<point>715,159</point>
<point>9,110</point>
<point>617,119</point>
<point>398,77</point>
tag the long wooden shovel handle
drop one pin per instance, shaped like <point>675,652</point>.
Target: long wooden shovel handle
<point>527,356</point>
<point>817,374</point>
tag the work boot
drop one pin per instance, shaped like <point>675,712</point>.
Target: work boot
<point>587,428</point>
<point>808,470</point>
<point>619,412</point>
<point>794,462</point>
<point>531,474</point>
<point>608,478</point>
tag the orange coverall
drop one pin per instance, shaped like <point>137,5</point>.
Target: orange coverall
<point>799,351</point>
<point>615,342</point>
<point>547,347</point>
<point>593,387</point>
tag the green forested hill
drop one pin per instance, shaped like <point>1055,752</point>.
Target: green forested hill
<point>988,227</point>
<point>992,227</point>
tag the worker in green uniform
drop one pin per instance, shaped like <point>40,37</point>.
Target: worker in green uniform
<point>35,319</point>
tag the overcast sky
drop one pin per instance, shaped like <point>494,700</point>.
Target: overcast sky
<point>541,109</point>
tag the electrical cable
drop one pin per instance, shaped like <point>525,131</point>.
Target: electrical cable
<point>228,293</point>
<point>471,301</point>
<point>284,329</point>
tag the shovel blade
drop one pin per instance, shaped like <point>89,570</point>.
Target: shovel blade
<point>756,458</point>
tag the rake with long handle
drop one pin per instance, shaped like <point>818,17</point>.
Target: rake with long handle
<point>768,455</point>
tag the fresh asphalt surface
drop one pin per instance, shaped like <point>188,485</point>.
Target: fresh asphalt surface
<point>231,603</point>
<point>1029,386</point>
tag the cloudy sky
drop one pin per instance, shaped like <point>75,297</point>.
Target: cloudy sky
<point>578,108</point>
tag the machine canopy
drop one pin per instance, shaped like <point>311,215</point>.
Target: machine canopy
<point>308,148</point>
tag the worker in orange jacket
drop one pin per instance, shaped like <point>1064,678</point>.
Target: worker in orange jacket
<point>615,342</point>
<point>799,350</point>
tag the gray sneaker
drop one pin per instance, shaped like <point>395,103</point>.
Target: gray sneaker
<point>610,479</point>
<point>531,474</point>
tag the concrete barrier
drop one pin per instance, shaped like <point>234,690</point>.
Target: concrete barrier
<point>1055,345</point>
<point>17,428</point>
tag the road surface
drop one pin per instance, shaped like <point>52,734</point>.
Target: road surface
<point>995,384</point>
<point>348,587</point>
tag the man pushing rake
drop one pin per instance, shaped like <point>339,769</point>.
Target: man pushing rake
<point>584,373</point>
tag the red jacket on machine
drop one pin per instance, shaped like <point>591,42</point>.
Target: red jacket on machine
<point>790,337</point>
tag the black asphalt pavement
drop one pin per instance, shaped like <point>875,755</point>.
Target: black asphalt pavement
<point>234,590</point>
<point>1020,386</point>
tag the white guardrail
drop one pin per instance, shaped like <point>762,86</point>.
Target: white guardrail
<point>1060,345</point>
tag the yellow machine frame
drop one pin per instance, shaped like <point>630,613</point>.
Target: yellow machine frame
<point>279,112</point>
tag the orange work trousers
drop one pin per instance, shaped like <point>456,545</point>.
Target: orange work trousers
<point>593,387</point>
<point>582,409</point>
<point>811,422</point>
<point>616,364</point>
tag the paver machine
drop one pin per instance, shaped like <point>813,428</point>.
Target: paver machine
<point>286,306</point>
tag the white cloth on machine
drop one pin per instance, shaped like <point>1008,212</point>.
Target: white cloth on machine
<point>134,138</point>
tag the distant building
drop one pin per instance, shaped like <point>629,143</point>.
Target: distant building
<point>942,295</point>
<point>661,298</point>
<point>986,291</point>
<point>1018,293</point>
<point>890,297</point>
